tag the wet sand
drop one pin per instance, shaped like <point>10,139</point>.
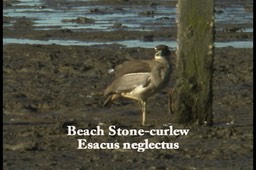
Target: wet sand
<point>48,87</point>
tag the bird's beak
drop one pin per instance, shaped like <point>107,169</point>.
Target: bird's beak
<point>158,52</point>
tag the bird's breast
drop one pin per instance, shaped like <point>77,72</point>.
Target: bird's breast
<point>160,74</point>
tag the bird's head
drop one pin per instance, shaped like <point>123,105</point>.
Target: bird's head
<point>162,51</point>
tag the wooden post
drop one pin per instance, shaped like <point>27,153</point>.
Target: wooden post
<point>192,94</point>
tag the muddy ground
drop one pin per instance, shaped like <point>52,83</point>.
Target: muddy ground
<point>47,87</point>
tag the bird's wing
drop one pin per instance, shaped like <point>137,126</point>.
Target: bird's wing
<point>128,82</point>
<point>132,66</point>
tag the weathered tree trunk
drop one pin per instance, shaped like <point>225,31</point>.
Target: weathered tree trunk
<point>192,94</point>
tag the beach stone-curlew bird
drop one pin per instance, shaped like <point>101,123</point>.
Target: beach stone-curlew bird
<point>140,79</point>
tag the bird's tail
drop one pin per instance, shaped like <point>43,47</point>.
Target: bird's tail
<point>107,101</point>
<point>110,99</point>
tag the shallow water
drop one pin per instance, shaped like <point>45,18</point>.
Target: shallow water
<point>126,43</point>
<point>49,15</point>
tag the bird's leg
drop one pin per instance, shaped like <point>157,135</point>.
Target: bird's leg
<point>143,108</point>
<point>170,102</point>
<point>140,105</point>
